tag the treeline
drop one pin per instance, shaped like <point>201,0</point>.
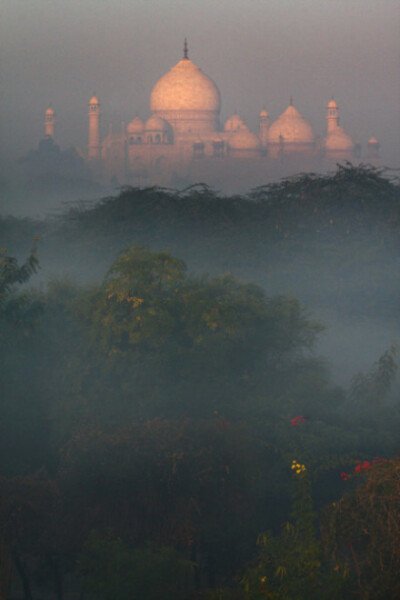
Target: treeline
<point>331,240</point>
<point>166,434</point>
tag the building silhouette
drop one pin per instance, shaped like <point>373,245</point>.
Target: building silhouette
<point>183,140</point>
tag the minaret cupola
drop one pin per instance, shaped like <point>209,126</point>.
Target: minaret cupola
<point>263,126</point>
<point>94,129</point>
<point>49,121</point>
<point>332,115</point>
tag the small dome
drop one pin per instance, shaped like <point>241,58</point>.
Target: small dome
<point>185,87</point>
<point>373,141</point>
<point>156,124</point>
<point>135,126</point>
<point>339,140</point>
<point>291,128</point>
<point>332,104</point>
<point>49,111</point>
<point>94,100</point>
<point>264,114</point>
<point>234,123</point>
<point>244,139</point>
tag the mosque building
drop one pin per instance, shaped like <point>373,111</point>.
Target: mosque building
<point>183,141</point>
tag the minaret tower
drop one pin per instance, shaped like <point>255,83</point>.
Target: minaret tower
<point>263,127</point>
<point>49,121</point>
<point>373,148</point>
<point>94,129</point>
<point>332,116</point>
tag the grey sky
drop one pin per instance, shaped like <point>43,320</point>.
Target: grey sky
<point>259,52</point>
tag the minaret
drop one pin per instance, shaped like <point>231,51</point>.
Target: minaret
<point>94,129</point>
<point>49,121</point>
<point>185,50</point>
<point>332,116</point>
<point>373,148</point>
<point>263,127</point>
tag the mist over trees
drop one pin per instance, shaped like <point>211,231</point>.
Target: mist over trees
<point>167,427</point>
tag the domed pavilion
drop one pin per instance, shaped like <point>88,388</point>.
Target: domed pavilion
<point>291,133</point>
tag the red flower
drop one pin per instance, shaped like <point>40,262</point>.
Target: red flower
<point>296,421</point>
<point>362,466</point>
<point>366,465</point>
<point>378,460</point>
<point>343,475</point>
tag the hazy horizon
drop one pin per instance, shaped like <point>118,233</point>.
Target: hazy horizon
<point>258,52</point>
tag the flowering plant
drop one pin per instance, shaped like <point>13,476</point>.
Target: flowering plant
<point>362,467</point>
<point>298,467</point>
<point>296,421</point>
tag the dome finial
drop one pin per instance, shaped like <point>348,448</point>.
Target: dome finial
<point>291,101</point>
<point>185,49</point>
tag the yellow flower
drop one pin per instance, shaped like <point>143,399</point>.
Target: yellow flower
<point>298,467</point>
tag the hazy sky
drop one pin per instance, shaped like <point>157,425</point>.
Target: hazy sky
<point>259,52</point>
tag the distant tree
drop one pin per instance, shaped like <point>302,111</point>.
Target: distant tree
<point>134,306</point>
<point>27,511</point>
<point>371,389</point>
<point>19,312</point>
<point>111,569</point>
<point>291,564</point>
<point>17,308</point>
<point>202,337</point>
<point>182,483</point>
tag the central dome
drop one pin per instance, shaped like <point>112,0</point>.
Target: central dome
<point>187,98</point>
<point>185,87</point>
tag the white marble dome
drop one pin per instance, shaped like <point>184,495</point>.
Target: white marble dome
<point>135,126</point>
<point>156,124</point>
<point>185,87</point>
<point>244,139</point>
<point>291,128</point>
<point>234,123</point>
<point>339,140</point>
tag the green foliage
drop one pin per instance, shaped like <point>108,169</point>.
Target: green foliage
<point>17,309</point>
<point>27,510</point>
<point>169,338</point>
<point>372,388</point>
<point>162,403</point>
<point>111,570</point>
<point>139,272</point>
<point>290,565</point>
<point>136,303</point>
<point>11,273</point>
<point>19,314</point>
<point>340,229</point>
<point>154,481</point>
<point>362,532</point>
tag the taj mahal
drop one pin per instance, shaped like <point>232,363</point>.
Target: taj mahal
<point>183,139</point>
